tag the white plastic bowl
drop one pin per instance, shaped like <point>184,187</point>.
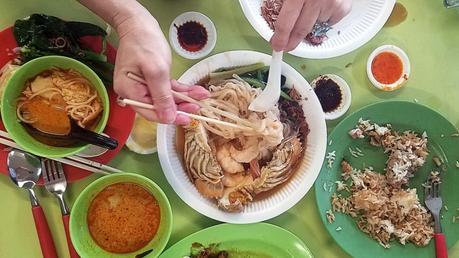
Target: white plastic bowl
<point>405,73</point>
<point>204,21</point>
<point>287,194</point>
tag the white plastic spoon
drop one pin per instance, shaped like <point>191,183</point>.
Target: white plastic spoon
<point>270,95</point>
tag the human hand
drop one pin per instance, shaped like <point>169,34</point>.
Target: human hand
<point>297,18</point>
<point>143,50</point>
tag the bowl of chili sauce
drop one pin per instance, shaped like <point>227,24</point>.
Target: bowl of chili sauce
<point>192,35</point>
<point>388,67</point>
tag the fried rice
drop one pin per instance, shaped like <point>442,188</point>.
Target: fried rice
<point>384,207</point>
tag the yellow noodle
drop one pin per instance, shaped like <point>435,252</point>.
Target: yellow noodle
<point>81,99</point>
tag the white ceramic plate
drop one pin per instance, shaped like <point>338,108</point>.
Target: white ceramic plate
<point>357,28</point>
<point>288,194</point>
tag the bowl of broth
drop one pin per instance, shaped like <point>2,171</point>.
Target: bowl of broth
<point>47,94</point>
<point>122,215</point>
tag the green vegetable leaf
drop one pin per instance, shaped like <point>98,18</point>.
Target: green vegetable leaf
<point>42,35</point>
<point>80,29</point>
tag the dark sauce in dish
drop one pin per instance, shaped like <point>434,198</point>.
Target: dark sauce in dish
<point>192,36</point>
<point>329,94</point>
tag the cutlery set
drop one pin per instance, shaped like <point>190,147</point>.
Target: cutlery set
<point>25,170</point>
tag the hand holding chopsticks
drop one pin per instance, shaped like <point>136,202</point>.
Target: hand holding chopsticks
<point>243,123</point>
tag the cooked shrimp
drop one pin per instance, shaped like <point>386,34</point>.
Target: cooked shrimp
<point>228,164</point>
<point>249,150</point>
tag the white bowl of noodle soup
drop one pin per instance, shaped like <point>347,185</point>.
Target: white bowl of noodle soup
<point>286,195</point>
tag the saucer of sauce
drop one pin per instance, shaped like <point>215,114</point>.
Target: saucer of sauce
<point>388,68</point>
<point>334,95</point>
<point>192,35</point>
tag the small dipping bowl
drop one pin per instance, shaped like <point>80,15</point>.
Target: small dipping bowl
<point>192,23</point>
<point>405,71</point>
<point>344,90</point>
<point>79,231</point>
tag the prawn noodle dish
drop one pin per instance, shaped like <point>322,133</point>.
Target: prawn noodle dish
<point>234,166</point>
<point>55,95</point>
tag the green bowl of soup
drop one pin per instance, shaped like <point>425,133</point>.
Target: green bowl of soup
<point>121,215</point>
<point>44,87</point>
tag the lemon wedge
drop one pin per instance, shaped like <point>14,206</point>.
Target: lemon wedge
<point>142,139</point>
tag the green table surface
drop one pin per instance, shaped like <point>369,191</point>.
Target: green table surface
<point>429,35</point>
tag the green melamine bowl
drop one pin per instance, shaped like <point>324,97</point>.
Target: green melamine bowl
<point>79,231</point>
<point>16,85</point>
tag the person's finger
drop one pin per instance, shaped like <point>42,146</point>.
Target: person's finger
<point>285,23</point>
<point>188,107</point>
<point>146,113</point>
<point>182,120</point>
<point>159,86</point>
<point>304,24</point>
<point>343,9</point>
<point>194,91</point>
<point>327,11</point>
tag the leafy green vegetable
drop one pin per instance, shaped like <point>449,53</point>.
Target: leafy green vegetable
<point>198,250</point>
<point>42,35</point>
<point>255,82</point>
<point>227,74</point>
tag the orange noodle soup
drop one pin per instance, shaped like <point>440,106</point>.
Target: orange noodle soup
<point>123,218</point>
<point>55,95</point>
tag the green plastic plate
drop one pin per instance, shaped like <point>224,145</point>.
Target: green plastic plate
<point>259,240</point>
<point>403,116</point>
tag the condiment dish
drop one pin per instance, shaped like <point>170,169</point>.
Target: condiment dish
<point>346,96</point>
<point>200,20</point>
<point>405,69</point>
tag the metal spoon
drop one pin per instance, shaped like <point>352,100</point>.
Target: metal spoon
<point>270,95</point>
<point>25,170</point>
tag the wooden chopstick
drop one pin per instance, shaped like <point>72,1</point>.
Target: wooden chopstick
<point>197,117</point>
<point>182,96</point>
<point>92,166</point>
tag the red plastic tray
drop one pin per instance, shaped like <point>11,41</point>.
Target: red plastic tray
<point>119,123</point>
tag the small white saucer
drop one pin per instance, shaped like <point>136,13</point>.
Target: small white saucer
<point>405,73</point>
<point>346,95</point>
<point>204,21</point>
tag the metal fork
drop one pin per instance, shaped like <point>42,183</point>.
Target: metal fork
<point>55,183</point>
<point>434,203</point>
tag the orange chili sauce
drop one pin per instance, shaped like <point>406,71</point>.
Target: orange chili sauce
<point>387,68</point>
<point>123,218</point>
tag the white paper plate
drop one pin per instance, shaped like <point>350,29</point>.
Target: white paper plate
<point>288,194</point>
<point>357,28</point>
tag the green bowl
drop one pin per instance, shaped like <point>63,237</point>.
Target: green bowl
<point>15,86</point>
<point>79,232</point>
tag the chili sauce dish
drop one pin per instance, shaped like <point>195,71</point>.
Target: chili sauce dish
<point>192,35</point>
<point>388,68</point>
